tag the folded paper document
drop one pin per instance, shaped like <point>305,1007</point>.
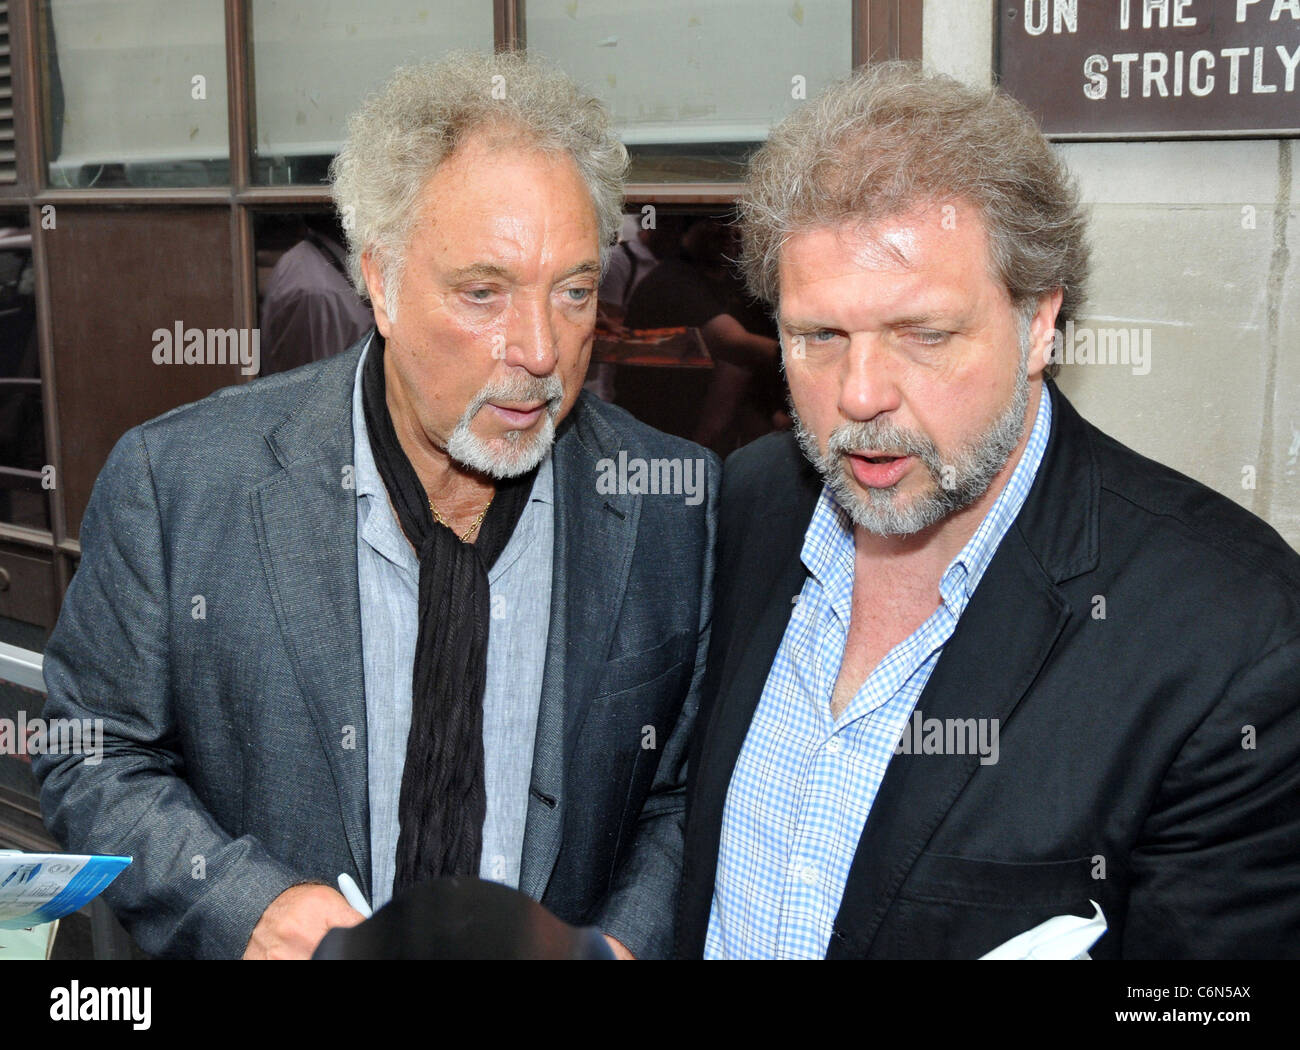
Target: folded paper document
<point>1061,937</point>
<point>37,888</point>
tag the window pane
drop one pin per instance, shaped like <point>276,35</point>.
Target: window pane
<point>22,441</point>
<point>23,498</point>
<point>314,60</point>
<point>18,350</point>
<point>694,85</point>
<point>307,306</point>
<point>659,351</point>
<point>27,609</point>
<point>137,92</point>
<point>19,795</point>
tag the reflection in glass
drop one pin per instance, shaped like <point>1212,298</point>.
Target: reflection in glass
<point>23,500</point>
<point>314,60</point>
<point>137,92</point>
<point>680,343</point>
<point>308,307</point>
<point>694,85</point>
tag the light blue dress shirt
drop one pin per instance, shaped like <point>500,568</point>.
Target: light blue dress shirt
<point>388,575</point>
<point>804,783</point>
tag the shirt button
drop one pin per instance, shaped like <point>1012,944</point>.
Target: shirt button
<point>809,875</point>
<point>834,746</point>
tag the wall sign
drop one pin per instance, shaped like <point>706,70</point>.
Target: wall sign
<point>1154,68</point>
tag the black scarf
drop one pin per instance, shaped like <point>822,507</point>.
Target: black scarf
<point>444,798</point>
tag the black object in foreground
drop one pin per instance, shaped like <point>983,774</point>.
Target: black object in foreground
<point>463,918</point>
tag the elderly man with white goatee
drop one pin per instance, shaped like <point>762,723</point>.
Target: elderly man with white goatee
<point>429,644</point>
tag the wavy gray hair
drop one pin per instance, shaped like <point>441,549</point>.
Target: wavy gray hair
<point>892,136</point>
<point>400,135</point>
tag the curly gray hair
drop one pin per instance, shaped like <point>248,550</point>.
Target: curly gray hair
<point>400,135</point>
<point>892,136</point>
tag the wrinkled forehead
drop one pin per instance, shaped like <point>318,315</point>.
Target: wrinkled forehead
<point>915,236</point>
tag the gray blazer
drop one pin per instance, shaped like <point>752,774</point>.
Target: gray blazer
<point>214,625</point>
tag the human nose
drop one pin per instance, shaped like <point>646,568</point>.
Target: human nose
<point>531,338</point>
<point>868,381</point>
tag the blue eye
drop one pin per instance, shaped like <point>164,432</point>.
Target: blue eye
<point>578,295</point>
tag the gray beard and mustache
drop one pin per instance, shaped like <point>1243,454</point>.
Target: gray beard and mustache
<point>956,482</point>
<point>514,454</point>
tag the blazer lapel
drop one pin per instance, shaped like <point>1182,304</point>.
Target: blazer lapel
<point>306,520</point>
<point>1004,636</point>
<point>595,535</point>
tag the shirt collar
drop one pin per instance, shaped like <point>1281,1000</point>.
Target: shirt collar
<point>377,524</point>
<point>365,474</point>
<point>828,550</point>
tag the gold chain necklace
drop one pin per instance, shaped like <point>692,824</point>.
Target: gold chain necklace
<point>473,526</point>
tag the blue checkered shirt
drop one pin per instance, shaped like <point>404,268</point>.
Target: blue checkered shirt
<point>804,783</point>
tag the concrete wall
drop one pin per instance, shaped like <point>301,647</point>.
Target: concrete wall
<point>1197,243</point>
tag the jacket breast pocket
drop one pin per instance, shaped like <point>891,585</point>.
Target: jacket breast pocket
<point>963,907</point>
<point>636,699</point>
<point>636,670</point>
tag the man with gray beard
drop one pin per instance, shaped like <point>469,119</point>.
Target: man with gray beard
<point>955,484</point>
<point>975,665</point>
<point>373,617</point>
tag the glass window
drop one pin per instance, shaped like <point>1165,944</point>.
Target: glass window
<point>136,92</point>
<point>19,795</point>
<point>26,596</point>
<point>24,485</point>
<point>694,85</point>
<point>307,306</point>
<point>679,342</point>
<point>314,60</point>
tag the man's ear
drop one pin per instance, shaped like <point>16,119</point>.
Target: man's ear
<point>373,273</point>
<point>1041,329</point>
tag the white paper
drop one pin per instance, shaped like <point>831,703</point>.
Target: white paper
<point>1061,937</point>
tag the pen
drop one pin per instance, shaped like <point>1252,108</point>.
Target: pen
<point>352,895</point>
